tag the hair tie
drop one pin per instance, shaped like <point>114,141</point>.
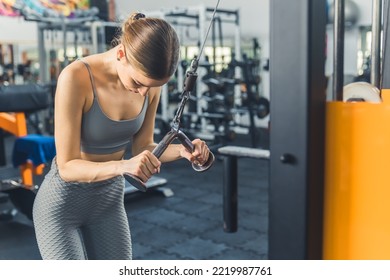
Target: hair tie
<point>137,16</point>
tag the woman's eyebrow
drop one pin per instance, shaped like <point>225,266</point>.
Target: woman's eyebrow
<point>138,83</point>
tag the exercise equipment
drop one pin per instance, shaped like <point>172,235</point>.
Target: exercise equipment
<point>222,109</point>
<point>351,12</point>
<point>217,113</point>
<point>30,152</point>
<point>175,132</point>
<point>22,199</point>
<point>230,155</point>
<point>252,102</point>
<point>357,178</point>
<point>49,20</point>
<point>361,91</point>
<point>17,102</point>
<point>23,98</point>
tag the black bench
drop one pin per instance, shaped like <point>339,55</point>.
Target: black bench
<point>230,188</point>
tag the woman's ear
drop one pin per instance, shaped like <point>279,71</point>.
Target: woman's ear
<point>120,53</point>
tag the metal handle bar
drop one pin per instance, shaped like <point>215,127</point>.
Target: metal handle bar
<point>159,150</point>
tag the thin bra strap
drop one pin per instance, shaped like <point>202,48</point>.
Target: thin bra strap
<point>90,76</point>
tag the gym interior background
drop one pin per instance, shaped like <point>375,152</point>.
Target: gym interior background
<point>260,200</point>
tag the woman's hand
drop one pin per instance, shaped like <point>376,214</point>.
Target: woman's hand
<point>143,166</point>
<point>200,154</point>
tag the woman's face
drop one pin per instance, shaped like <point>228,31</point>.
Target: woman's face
<point>135,81</point>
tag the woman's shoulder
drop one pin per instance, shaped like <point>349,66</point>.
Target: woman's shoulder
<point>74,81</point>
<point>79,66</point>
<point>74,72</point>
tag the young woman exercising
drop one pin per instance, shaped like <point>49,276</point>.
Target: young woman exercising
<point>103,102</point>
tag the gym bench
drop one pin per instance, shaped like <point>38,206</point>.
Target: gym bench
<point>30,152</point>
<point>230,187</point>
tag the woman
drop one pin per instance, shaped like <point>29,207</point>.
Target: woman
<point>103,102</point>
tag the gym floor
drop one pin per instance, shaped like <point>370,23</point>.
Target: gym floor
<point>187,225</point>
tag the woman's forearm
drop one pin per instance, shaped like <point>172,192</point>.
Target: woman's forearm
<point>171,153</point>
<point>87,171</point>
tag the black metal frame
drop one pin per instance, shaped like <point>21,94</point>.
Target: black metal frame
<point>297,71</point>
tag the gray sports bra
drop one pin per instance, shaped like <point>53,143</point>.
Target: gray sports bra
<point>102,135</point>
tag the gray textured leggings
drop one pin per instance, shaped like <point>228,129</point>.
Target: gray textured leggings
<point>78,221</point>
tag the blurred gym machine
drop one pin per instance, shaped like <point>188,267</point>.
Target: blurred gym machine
<point>30,152</point>
<point>56,23</point>
<point>251,102</point>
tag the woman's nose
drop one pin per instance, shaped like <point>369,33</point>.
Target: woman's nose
<point>143,90</point>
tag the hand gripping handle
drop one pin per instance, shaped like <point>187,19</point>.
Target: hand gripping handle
<point>159,150</point>
<point>190,147</point>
